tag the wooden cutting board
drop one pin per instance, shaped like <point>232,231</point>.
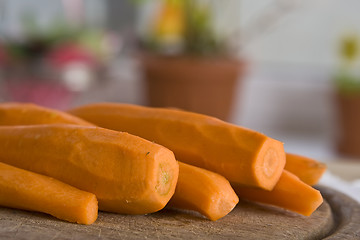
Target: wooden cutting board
<point>337,218</point>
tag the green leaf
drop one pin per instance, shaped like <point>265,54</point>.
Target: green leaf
<point>347,84</point>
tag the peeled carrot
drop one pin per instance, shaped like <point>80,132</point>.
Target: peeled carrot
<point>307,169</point>
<point>29,114</point>
<point>127,174</point>
<point>241,155</point>
<point>289,193</point>
<point>30,191</point>
<point>203,191</point>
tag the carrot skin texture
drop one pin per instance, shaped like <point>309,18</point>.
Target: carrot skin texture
<point>241,155</point>
<point>307,169</point>
<point>12,114</point>
<point>127,174</point>
<point>289,193</point>
<point>203,191</point>
<point>30,191</point>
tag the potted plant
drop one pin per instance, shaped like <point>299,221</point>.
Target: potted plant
<point>186,64</point>
<point>347,84</point>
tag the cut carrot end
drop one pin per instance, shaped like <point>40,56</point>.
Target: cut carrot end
<point>91,211</point>
<point>270,164</point>
<point>225,205</point>
<point>203,191</point>
<point>164,180</point>
<point>167,174</point>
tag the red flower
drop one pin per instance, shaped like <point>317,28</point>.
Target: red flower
<point>69,53</point>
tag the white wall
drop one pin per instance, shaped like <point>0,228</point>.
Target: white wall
<point>308,32</point>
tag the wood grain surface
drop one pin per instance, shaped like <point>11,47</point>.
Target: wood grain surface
<point>346,212</point>
<point>337,218</point>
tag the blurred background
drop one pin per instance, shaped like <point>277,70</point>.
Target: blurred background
<point>290,69</point>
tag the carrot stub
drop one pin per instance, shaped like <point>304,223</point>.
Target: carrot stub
<point>241,155</point>
<point>127,174</point>
<point>12,114</point>
<point>30,191</point>
<point>307,169</point>
<point>203,191</point>
<point>289,193</point>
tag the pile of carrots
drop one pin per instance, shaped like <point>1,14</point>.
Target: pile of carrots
<point>131,159</point>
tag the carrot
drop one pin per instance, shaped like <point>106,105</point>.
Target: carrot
<point>127,174</point>
<point>289,193</point>
<point>307,169</point>
<point>30,191</point>
<point>28,114</point>
<point>206,192</point>
<point>241,155</point>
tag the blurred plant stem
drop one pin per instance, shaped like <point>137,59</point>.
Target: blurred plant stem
<point>199,35</point>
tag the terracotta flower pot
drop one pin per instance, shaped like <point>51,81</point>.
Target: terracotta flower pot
<point>348,108</point>
<point>198,84</point>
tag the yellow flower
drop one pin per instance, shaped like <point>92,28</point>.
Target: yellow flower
<point>350,48</point>
<point>169,24</point>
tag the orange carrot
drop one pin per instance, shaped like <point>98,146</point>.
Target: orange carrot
<point>206,192</point>
<point>241,155</point>
<point>307,169</point>
<point>29,114</point>
<point>127,174</point>
<point>30,191</point>
<point>289,193</point>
